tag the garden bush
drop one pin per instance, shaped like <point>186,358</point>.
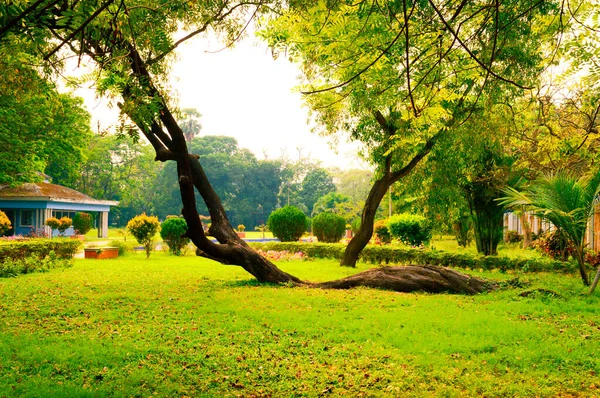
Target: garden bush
<point>555,244</point>
<point>328,227</point>
<point>171,231</point>
<point>375,254</point>
<point>410,229</point>
<point>144,228</point>
<point>288,223</point>
<point>82,223</point>
<point>513,237</point>
<point>382,233</point>
<point>38,248</point>
<point>4,223</point>
<point>27,265</point>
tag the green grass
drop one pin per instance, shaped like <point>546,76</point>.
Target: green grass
<point>188,327</point>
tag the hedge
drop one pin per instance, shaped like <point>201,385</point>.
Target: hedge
<point>38,248</point>
<point>397,255</point>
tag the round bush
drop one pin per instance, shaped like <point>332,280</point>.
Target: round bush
<point>328,227</point>
<point>288,223</point>
<point>83,222</point>
<point>171,231</point>
<point>410,229</point>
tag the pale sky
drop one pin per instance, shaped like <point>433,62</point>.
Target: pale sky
<point>244,93</point>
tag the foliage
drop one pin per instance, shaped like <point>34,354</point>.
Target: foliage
<point>123,246</point>
<point>567,202</point>
<point>555,244</point>
<point>410,229</point>
<point>27,265</point>
<point>38,248</point>
<point>513,237</point>
<point>5,224</point>
<point>42,130</point>
<point>53,222</point>
<point>172,231</point>
<point>287,224</point>
<point>83,222</point>
<point>241,228</point>
<point>328,227</point>
<point>382,232</point>
<point>144,228</point>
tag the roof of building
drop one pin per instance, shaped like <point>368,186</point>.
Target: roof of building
<point>49,192</point>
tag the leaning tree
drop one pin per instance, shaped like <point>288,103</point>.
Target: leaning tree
<point>130,44</point>
<point>400,74</point>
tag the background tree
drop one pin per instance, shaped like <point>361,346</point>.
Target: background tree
<point>191,123</point>
<point>41,130</point>
<point>317,183</point>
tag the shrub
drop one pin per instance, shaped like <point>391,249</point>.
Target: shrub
<point>241,228</point>
<point>401,255</point>
<point>38,248</point>
<point>53,222</point>
<point>144,228</point>
<point>410,229</point>
<point>328,227</point>
<point>83,222</point>
<point>4,223</point>
<point>171,231</point>
<point>288,223</point>
<point>555,244</point>
<point>13,267</point>
<point>382,233</point>
<point>513,237</point>
<point>123,246</point>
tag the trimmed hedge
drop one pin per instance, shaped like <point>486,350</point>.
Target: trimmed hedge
<point>328,227</point>
<point>38,248</point>
<point>396,255</point>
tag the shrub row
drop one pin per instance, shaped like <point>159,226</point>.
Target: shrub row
<point>13,267</point>
<point>38,249</point>
<point>396,255</point>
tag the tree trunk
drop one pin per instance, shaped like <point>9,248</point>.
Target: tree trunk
<point>526,229</point>
<point>579,256</point>
<point>365,231</point>
<point>595,282</point>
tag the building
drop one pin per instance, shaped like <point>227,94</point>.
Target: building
<point>512,222</point>
<point>29,205</point>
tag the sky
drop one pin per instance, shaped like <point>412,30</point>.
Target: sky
<point>244,93</point>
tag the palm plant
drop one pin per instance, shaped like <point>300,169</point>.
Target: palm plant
<point>567,202</point>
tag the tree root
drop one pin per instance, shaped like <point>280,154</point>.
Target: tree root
<point>412,278</point>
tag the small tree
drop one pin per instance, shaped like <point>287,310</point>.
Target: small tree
<point>172,231</point>
<point>83,222</point>
<point>288,223</point>
<point>328,227</point>
<point>5,224</point>
<point>144,228</point>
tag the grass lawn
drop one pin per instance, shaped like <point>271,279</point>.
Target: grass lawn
<point>185,326</point>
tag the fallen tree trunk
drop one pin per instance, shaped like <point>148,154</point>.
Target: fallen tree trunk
<point>412,278</point>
